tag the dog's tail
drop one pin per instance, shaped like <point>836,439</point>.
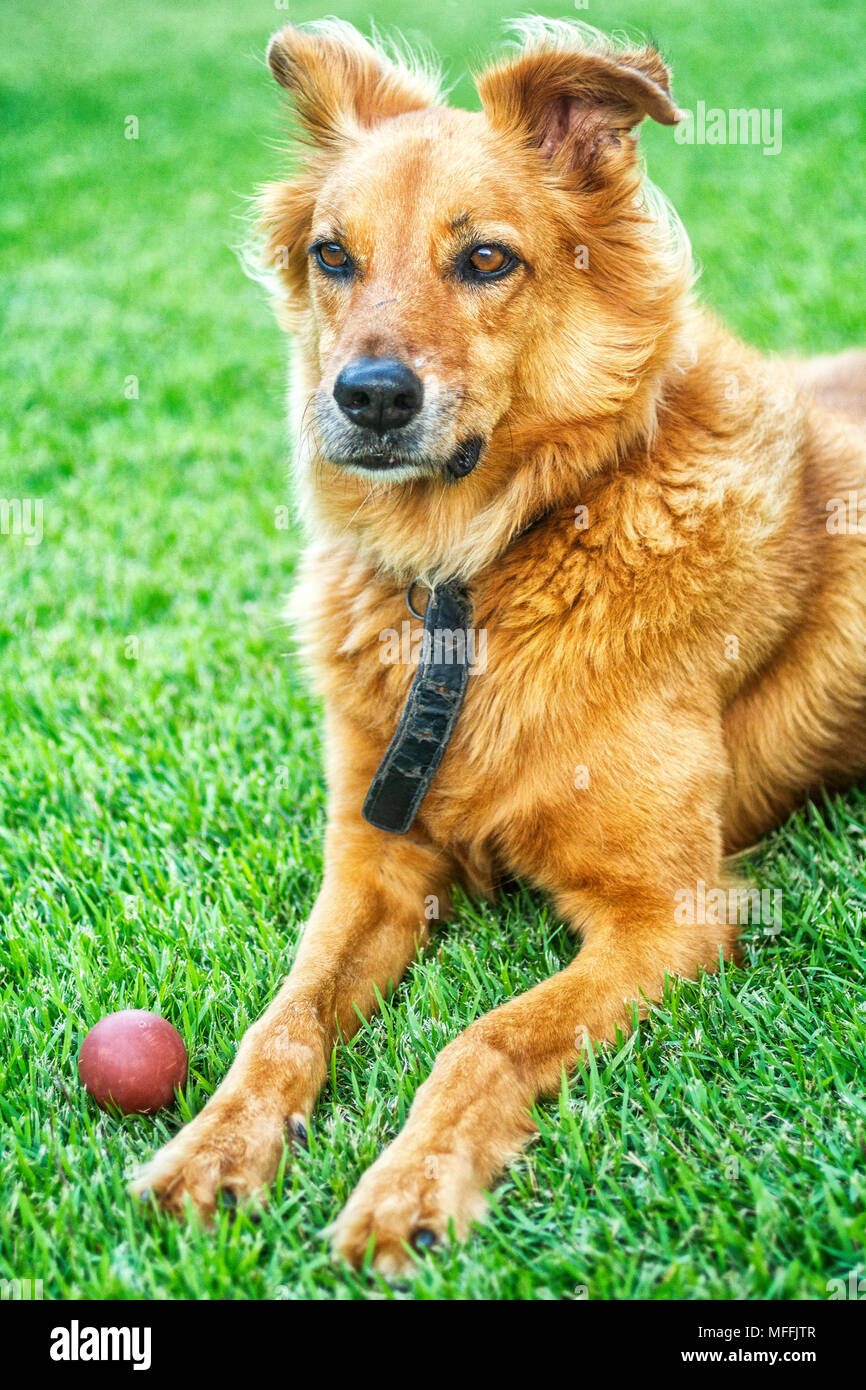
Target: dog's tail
<point>837,381</point>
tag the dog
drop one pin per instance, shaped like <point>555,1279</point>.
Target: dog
<point>511,408</point>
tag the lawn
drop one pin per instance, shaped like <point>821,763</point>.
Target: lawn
<point>161,794</point>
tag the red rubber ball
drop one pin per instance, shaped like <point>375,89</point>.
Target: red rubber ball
<point>133,1061</point>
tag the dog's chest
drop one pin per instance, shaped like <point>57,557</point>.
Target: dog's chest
<point>516,734</point>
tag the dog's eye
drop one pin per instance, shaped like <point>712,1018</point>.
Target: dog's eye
<point>488,262</point>
<point>488,259</point>
<point>332,257</point>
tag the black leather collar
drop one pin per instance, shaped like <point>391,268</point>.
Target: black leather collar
<point>403,777</point>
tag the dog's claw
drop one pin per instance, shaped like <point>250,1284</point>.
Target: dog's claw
<point>296,1130</point>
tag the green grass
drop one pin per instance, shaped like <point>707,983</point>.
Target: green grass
<point>161,801</point>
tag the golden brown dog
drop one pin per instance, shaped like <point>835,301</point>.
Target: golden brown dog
<point>503,380</point>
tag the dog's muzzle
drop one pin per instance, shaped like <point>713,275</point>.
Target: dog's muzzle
<point>385,424</point>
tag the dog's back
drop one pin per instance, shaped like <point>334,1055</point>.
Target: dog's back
<point>837,381</point>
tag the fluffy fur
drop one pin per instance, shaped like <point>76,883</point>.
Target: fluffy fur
<point>675,647</point>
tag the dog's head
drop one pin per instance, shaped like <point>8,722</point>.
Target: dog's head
<point>462,282</point>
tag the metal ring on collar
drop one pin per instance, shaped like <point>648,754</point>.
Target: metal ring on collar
<point>412,610</point>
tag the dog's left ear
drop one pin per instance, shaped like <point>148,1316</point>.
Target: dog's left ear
<point>576,103</point>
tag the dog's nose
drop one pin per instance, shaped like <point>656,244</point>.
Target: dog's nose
<point>378,393</point>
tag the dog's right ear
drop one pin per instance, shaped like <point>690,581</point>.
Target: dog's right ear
<point>338,80</point>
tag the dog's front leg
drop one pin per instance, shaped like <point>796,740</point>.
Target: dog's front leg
<point>618,870</point>
<point>472,1114</point>
<point>363,932</point>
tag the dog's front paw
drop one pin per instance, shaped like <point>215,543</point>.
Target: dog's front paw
<point>409,1200</point>
<point>230,1152</point>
